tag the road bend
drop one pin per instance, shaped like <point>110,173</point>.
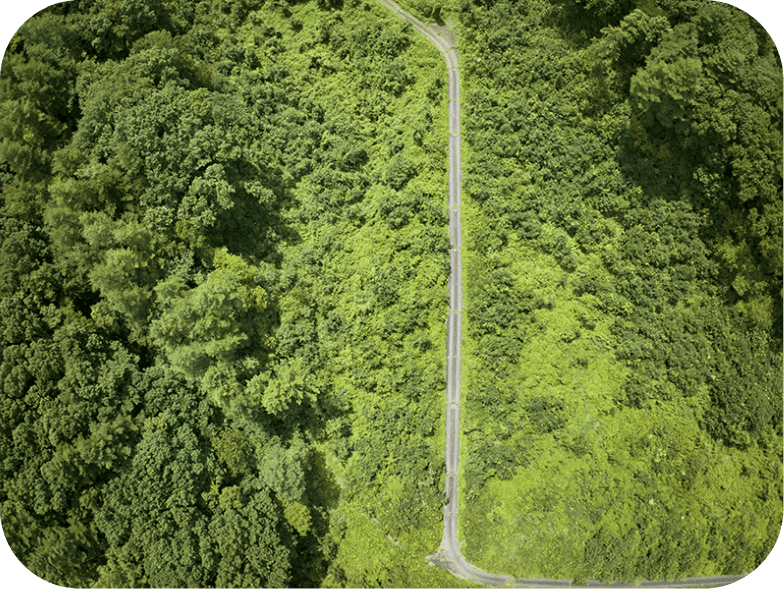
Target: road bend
<point>449,555</point>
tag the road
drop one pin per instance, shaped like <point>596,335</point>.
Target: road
<point>449,555</point>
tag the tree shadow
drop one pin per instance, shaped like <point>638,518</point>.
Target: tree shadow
<point>437,16</point>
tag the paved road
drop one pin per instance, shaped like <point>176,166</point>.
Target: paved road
<point>449,555</point>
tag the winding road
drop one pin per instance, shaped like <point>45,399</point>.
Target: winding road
<point>449,555</point>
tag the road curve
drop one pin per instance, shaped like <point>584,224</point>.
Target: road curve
<point>449,555</point>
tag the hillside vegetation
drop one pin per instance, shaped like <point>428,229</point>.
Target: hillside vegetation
<point>223,291</point>
<point>623,279</point>
<point>223,269</point>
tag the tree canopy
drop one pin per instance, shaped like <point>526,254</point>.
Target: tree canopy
<point>224,248</point>
<point>224,259</point>
<point>623,279</point>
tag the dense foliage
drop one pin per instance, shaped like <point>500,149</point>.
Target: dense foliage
<point>223,268</point>
<point>623,279</point>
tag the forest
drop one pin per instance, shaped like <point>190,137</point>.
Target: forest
<point>224,256</point>
<point>223,269</point>
<point>623,277</point>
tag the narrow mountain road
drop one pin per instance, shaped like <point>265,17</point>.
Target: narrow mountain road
<point>449,555</point>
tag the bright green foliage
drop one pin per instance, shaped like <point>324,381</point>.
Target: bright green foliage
<point>372,558</point>
<point>431,11</point>
<point>622,271</point>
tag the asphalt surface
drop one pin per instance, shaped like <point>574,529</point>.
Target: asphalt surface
<point>449,555</point>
